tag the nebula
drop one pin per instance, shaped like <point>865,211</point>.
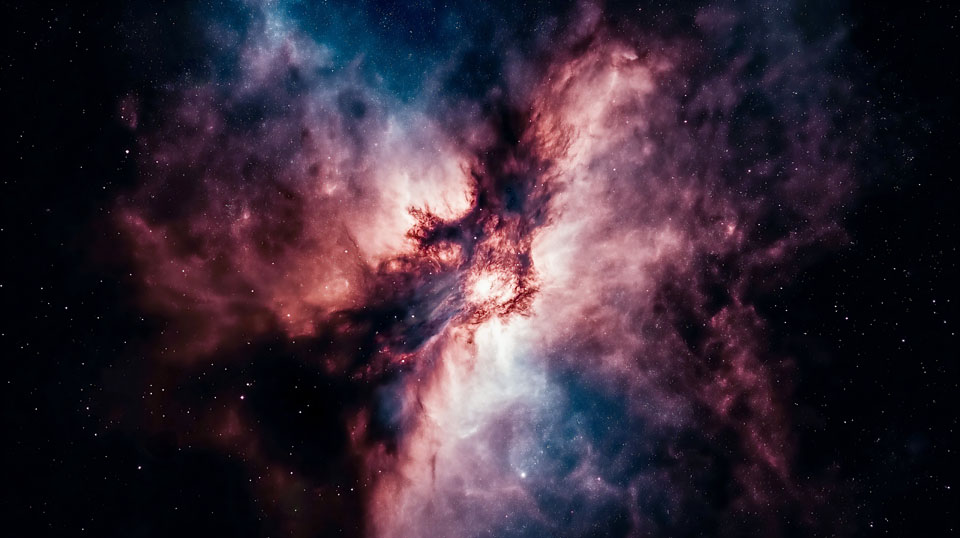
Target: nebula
<point>517,301</point>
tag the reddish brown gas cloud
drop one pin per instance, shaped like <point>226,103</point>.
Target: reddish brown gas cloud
<point>538,312</point>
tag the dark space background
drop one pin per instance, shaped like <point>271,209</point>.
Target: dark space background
<point>876,389</point>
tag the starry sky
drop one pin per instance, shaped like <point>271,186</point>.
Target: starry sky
<point>511,269</point>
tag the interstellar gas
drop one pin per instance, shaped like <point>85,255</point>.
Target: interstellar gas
<point>528,310</point>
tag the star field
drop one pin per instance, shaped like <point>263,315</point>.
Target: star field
<point>508,269</point>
